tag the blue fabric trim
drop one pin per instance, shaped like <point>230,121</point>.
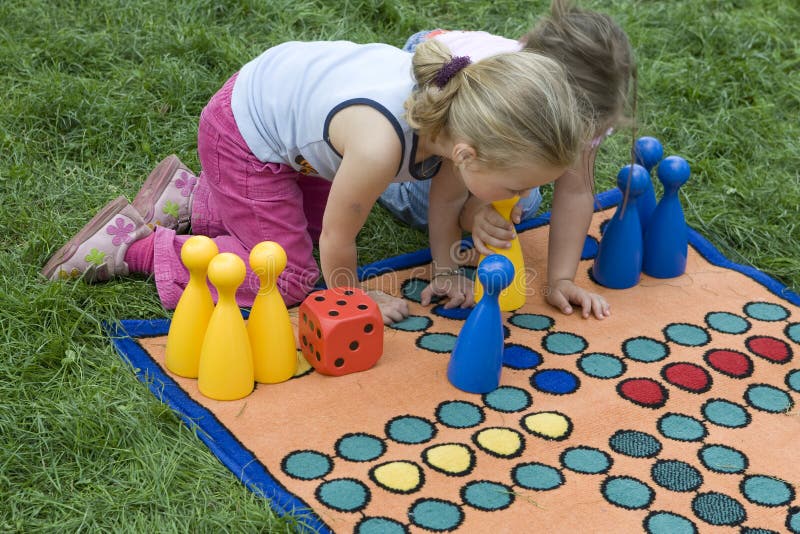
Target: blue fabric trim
<point>240,461</point>
<point>377,106</point>
<point>414,167</point>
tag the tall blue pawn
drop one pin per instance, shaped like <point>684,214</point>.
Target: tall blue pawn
<point>666,241</point>
<point>647,152</point>
<point>477,359</point>
<point>618,263</point>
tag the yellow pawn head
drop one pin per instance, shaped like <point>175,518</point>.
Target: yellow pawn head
<point>268,260</point>
<point>197,252</point>
<point>226,271</point>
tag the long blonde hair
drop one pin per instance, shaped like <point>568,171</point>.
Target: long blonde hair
<point>510,108</point>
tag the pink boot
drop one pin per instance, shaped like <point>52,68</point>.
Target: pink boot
<point>165,198</point>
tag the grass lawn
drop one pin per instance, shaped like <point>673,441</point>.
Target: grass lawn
<point>96,93</point>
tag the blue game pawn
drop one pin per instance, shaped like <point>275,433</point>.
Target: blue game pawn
<point>477,359</point>
<point>648,152</point>
<point>666,241</point>
<point>618,263</point>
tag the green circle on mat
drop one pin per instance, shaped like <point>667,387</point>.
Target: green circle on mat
<point>793,380</point>
<point>306,465</point>
<point>531,321</point>
<point>718,509</point>
<point>586,460</point>
<point>768,398</point>
<point>793,332</point>
<point>767,491</point>
<point>675,475</point>
<point>360,447</point>
<point>766,311</point>
<point>536,476</point>
<point>487,496</point>
<point>645,349</point>
<point>507,399</point>
<point>686,334</point>
<point>435,514</point>
<point>413,323</point>
<point>727,323</point>
<point>793,520</point>
<point>440,343</point>
<point>380,525</point>
<point>635,444</point>
<point>722,459</point>
<point>410,429</point>
<point>459,414</point>
<point>627,492</point>
<point>681,427</point>
<point>725,413</point>
<point>601,365</point>
<point>668,523</point>
<point>564,343</point>
<point>412,289</point>
<point>344,494</point>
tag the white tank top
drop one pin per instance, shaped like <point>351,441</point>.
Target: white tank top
<point>283,102</point>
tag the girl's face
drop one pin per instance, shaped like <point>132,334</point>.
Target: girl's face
<point>490,185</point>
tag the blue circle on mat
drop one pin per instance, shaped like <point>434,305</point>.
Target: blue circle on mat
<point>410,429</point>
<point>668,523</point>
<point>676,475</point>
<point>793,380</point>
<point>590,248</point>
<point>627,492</point>
<point>645,349</point>
<point>727,323</point>
<point>766,491</point>
<point>459,414</point>
<point>344,494</point>
<point>555,381</point>
<point>768,398</point>
<point>435,514</point>
<point>586,460</point>
<point>508,399</point>
<point>634,443</point>
<point>520,357</point>
<point>488,496</point>
<point>718,509</point>
<point>412,323</point>
<point>564,343</point>
<point>722,459</point>
<point>681,427</point>
<point>380,525</point>
<point>306,465</point>
<point>441,343</point>
<point>531,321</point>
<point>457,313</point>
<point>686,334</point>
<point>601,365</point>
<point>793,332</point>
<point>537,476</point>
<point>360,447</point>
<point>793,519</point>
<point>766,311</point>
<point>725,413</point>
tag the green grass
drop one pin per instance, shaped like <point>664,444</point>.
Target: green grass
<point>96,93</point>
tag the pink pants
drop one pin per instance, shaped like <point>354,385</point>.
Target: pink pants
<point>240,201</point>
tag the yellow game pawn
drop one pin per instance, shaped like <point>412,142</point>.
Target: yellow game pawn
<point>271,331</point>
<point>190,319</point>
<point>513,297</point>
<point>226,361</point>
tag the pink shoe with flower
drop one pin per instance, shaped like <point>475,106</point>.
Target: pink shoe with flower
<point>165,198</point>
<point>97,252</point>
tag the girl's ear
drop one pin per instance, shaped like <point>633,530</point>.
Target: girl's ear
<point>462,153</point>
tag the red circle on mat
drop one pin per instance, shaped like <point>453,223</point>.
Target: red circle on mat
<point>730,362</point>
<point>643,391</point>
<point>687,376</point>
<point>770,348</point>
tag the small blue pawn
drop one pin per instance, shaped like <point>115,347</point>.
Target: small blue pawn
<point>648,152</point>
<point>477,359</point>
<point>618,263</point>
<point>666,241</point>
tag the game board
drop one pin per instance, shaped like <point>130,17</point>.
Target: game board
<point>677,414</point>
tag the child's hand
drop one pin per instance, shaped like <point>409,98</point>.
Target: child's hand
<point>457,288</point>
<point>489,228</point>
<point>563,293</point>
<point>392,308</point>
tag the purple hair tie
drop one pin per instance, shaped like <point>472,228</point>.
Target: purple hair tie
<point>450,69</point>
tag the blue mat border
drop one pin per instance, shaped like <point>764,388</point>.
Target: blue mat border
<point>240,460</point>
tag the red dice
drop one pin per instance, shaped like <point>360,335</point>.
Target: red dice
<point>340,331</point>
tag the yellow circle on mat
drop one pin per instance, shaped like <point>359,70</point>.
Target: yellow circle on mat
<point>403,477</point>
<point>499,441</point>
<point>547,424</point>
<point>451,458</point>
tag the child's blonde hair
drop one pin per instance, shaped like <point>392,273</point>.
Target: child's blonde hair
<point>511,108</point>
<point>596,53</point>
